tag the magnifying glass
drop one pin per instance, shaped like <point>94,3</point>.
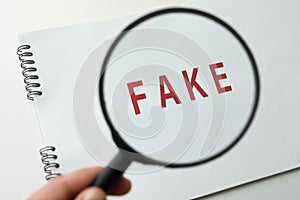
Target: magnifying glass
<point>178,88</point>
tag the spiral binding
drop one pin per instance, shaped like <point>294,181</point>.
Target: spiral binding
<point>29,77</point>
<point>48,159</point>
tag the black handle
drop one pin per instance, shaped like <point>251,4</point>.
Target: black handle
<point>110,176</point>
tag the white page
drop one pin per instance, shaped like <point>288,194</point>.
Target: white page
<point>270,145</point>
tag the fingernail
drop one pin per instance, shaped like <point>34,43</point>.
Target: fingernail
<point>92,195</point>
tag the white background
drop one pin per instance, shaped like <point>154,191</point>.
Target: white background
<point>21,168</point>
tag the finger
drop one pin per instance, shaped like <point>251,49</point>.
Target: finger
<point>92,193</point>
<point>68,186</point>
<point>122,187</point>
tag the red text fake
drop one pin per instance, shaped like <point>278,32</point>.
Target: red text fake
<point>172,95</point>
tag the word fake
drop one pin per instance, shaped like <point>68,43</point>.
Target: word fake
<point>190,83</point>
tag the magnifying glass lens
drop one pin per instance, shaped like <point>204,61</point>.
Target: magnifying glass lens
<point>178,87</point>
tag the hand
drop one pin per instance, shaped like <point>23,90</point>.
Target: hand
<point>75,186</point>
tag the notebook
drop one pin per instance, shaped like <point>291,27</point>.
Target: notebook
<point>53,60</point>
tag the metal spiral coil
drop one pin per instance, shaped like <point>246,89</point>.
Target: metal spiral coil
<point>28,72</point>
<point>48,159</point>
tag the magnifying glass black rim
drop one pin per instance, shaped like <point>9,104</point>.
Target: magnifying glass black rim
<point>117,138</point>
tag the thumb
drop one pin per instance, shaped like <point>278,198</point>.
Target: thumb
<point>91,193</point>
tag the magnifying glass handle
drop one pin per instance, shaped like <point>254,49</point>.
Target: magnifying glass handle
<point>108,179</point>
<point>110,176</point>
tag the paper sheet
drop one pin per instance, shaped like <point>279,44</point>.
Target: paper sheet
<point>270,146</point>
